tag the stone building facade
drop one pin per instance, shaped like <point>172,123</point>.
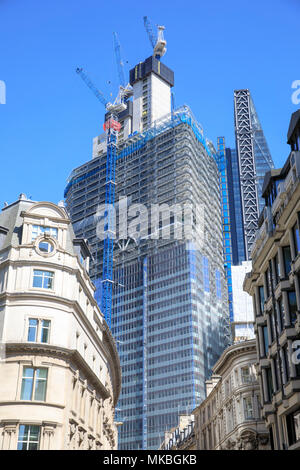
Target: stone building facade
<point>229,418</point>
<point>59,367</point>
<point>274,285</point>
<point>182,437</point>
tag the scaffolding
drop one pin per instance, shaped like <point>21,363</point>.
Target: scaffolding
<point>173,306</point>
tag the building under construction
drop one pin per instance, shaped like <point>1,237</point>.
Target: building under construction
<point>169,312</point>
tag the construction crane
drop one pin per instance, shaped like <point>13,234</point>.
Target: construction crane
<point>125,90</point>
<point>111,127</point>
<point>158,42</point>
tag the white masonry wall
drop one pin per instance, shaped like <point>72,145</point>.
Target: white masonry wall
<point>160,98</point>
<point>137,105</point>
<point>243,316</point>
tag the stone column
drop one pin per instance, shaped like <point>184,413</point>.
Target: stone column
<point>48,432</point>
<point>9,433</point>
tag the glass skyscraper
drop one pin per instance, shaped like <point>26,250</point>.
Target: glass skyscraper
<point>254,160</point>
<point>170,313</point>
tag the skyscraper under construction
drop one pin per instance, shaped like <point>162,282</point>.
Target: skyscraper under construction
<point>254,161</point>
<point>169,314</point>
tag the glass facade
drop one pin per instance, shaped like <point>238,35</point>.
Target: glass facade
<point>235,207</point>
<point>254,160</point>
<point>170,313</point>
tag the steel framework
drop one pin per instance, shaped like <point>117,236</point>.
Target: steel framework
<point>247,168</point>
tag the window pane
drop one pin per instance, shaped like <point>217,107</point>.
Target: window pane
<point>296,239</point>
<point>45,247</point>
<point>32,329</point>
<point>292,306</point>
<point>45,331</point>
<point>266,339</point>
<point>261,299</point>
<point>38,230</point>
<point>42,279</point>
<point>28,438</point>
<point>27,383</point>
<point>40,384</point>
<point>38,279</point>
<point>47,284</point>
<point>23,432</point>
<point>34,433</point>
<point>287,259</point>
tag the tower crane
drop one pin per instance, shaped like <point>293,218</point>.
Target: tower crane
<point>111,127</point>
<point>158,42</point>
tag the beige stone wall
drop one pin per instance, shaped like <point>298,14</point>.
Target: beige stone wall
<point>83,370</point>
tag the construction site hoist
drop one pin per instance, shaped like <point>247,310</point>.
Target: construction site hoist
<point>112,128</point>
<point>158,42</point>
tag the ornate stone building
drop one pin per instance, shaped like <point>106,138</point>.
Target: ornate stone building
<point>59,367</point>
<point>182,437</point>
<point>274,285</point>
<point>229,418</point>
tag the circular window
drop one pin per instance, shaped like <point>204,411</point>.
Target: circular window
<point>46,247</point>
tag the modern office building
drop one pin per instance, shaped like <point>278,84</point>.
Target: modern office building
<point>230,416</point>
<point>220,156</point>
<point>59,367</point>
<point>274,285</point>
<point>235,207</point>
<point>170,305</point>
<point>254,160</point>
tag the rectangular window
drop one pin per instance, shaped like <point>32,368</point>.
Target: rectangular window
<point>34,384</point>
<point>43,279</point>
<point>266,339</point>
<point>245,373</point>
<point>287,259</point>
<point>38,330</point>
<point>38,230</point>
<point>269,384</point>
<point>261,299</point>
<point>272,325</point>
<point>280,315</point>
<point>268,281</point>
<point>32,329</point>
<point>277,268</point>
<point>296,238</point>
<point>286,358</point>
<point>248,408</point>
<point>293,427</point>
<point>29,437</point>
<point>292,301</point>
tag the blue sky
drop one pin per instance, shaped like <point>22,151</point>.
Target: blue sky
<point>214,47</point>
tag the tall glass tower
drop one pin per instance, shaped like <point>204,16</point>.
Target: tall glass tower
<point>170,313</point>
<point>254,160</point>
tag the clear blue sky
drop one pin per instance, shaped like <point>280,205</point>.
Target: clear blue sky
<point>214,47</point>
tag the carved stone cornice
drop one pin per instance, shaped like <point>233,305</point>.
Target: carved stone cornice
<point>59,352</point>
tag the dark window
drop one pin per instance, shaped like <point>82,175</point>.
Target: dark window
<point>266,339</point>
<point>268,282</point>
<point>277,268</point>
<point>261,299</point>
<point>292,301</point>
<point>296,238</point>
<point>293,427</point>
<point>280,315</point>
<point>269,383</point>
<point>272,325</point>
<point>287,260</point>
<point>286,362</point>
